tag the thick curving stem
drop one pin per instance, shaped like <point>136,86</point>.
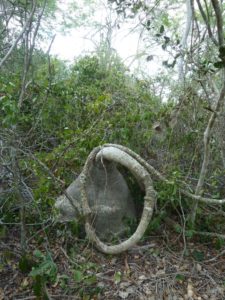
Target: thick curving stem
<point>161,177</point>
<point>141,174</point>
<point>141,170</point>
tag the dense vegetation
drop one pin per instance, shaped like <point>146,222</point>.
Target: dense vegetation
<point>54,113</point>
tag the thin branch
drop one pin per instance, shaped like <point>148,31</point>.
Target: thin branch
<point>205,163</point>
<point>219,21</point>
<point>211,122</point>
<point>50,45</point>
<point>216,257</point>
<point>206,22</point>
<point>184,38</point>
<point>28,57</point>
<point>26,67</point>
<point>19,36</point>
<point>202,199</point>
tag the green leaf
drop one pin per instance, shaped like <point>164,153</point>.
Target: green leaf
<point>219,243</point>
<point>165,19</point>
<point>149,58</point>
<point>180,277</point>
<point>25,264</point>
<point>162,29</point>
<point>38,253</point>
<point>78,275</point>
<point>3,232</point>
<point>189,233</point>
<point>39,288</point>
<point>167,39</point>
<point>178,228</point>
<point>198,255</point>
<point>41,269</point>
<point>90,280</point>
<point>222,51</point>
<point>219,64</point>
<point>117,277</point>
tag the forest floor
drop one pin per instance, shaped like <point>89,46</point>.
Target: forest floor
<point>161,267</point>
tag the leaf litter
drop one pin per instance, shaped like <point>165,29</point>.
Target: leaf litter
<point>154,270</point>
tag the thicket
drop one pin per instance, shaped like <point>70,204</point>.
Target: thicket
<point>65,114</point>
<point>69,110</point>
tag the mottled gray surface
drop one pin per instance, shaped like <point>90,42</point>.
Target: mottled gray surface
<point>109,198</point>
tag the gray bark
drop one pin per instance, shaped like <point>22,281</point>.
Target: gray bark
<point>108,196</point>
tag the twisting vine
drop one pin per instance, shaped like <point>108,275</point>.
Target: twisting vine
<point>142,171</point>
